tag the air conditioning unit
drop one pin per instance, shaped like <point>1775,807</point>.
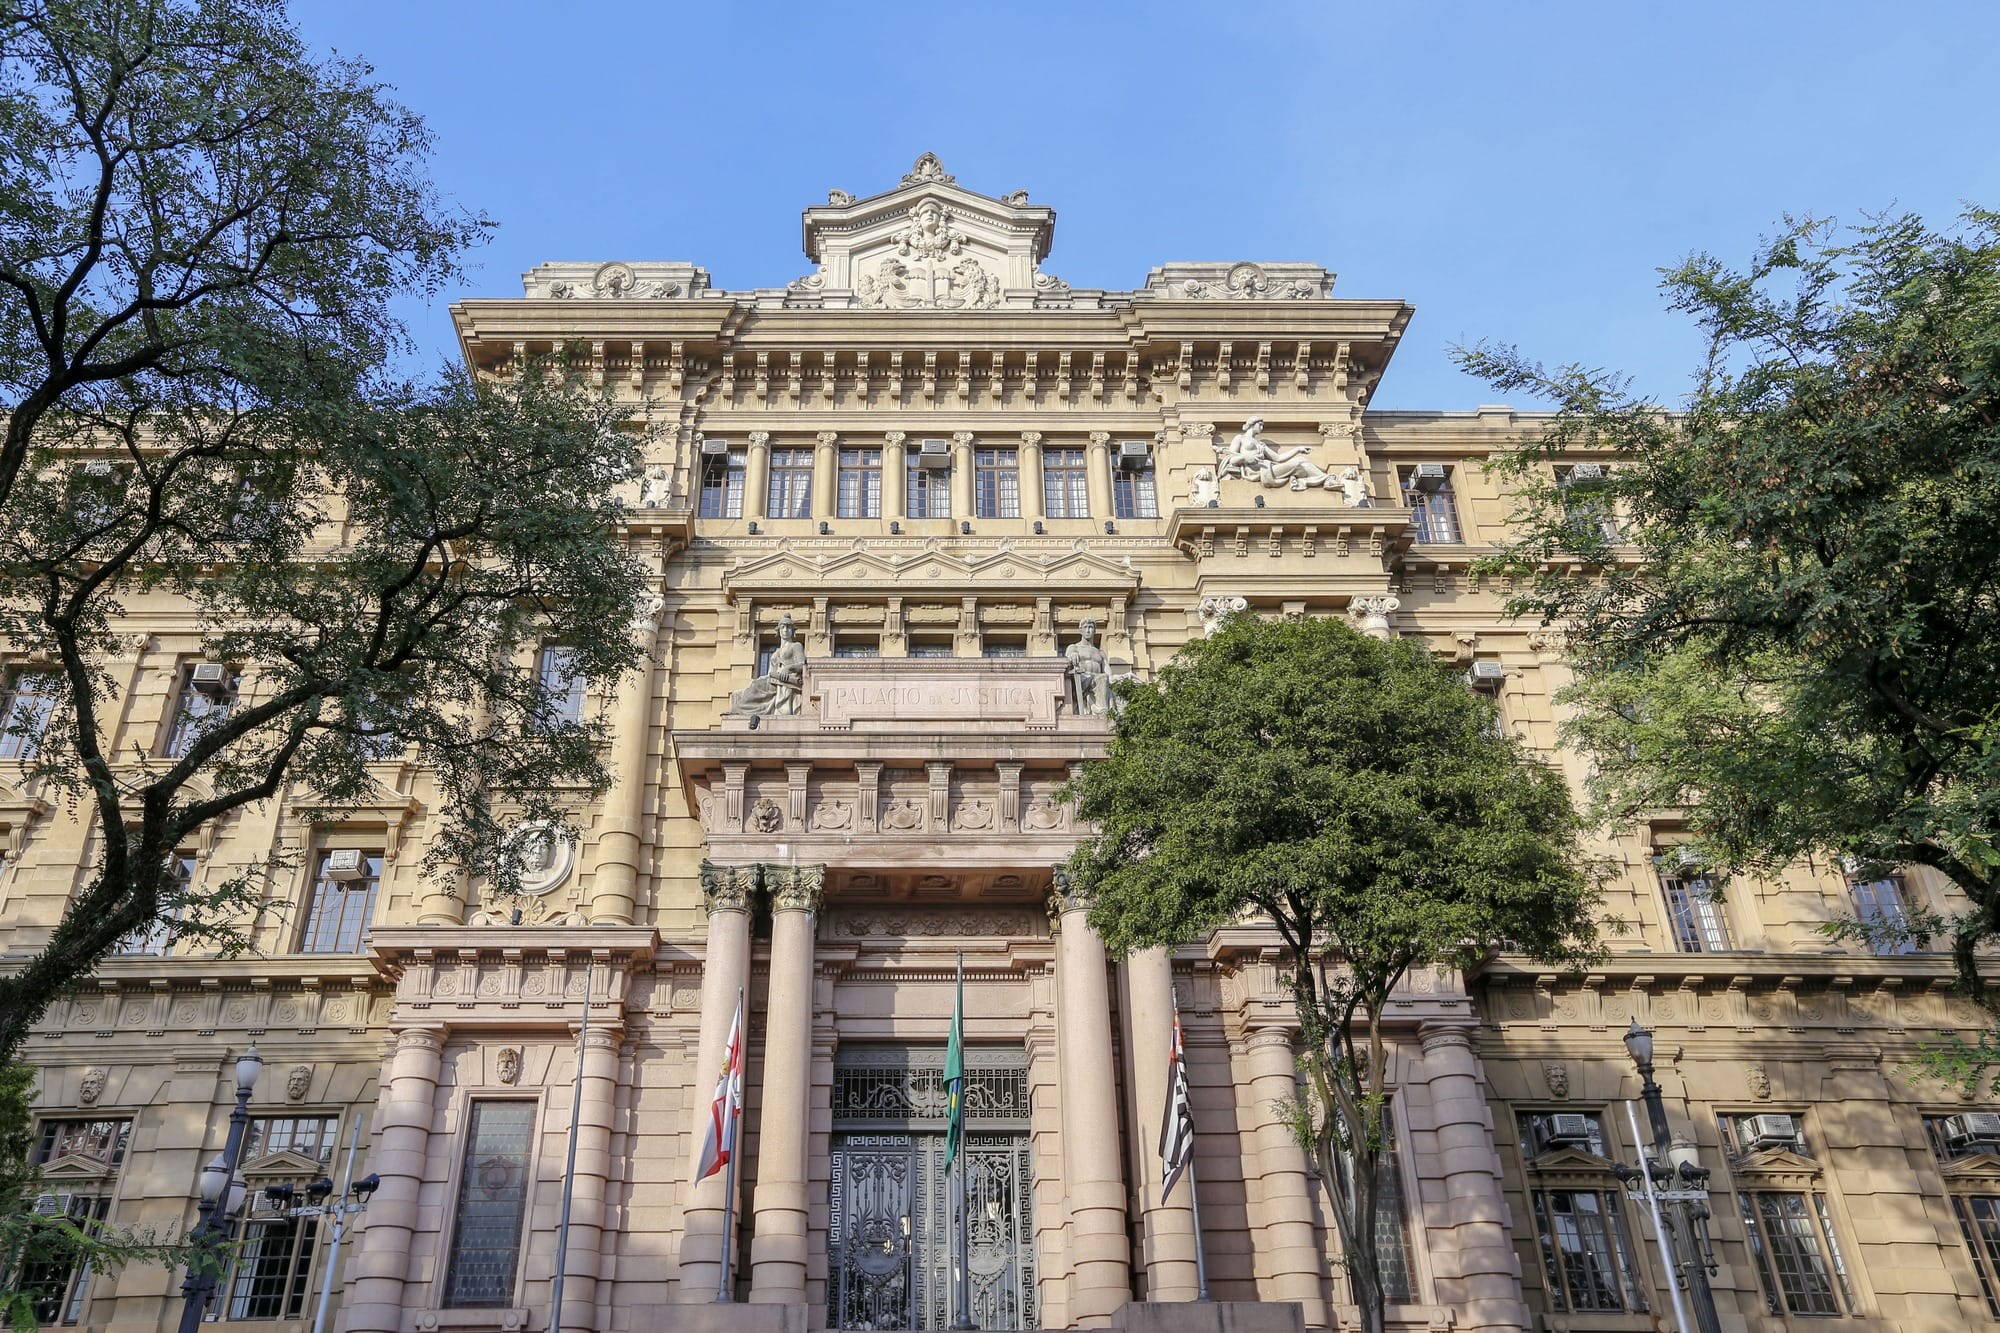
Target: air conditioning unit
<point>342,865</point>
<point>1567,1130</point>
<point>1134,454</point>
<point>97,467</point>
<point>1972,1133</point>
<point>1759,1132</point>
<point>714,448</point>
<point>1584,472</point>
<point>1427,477</point>
<point>209,677</point>
<point>1486,675</point>
<point>934,453</point>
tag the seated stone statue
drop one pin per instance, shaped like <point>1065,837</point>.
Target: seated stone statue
<point>1089,673</point>
<point>778,692</point>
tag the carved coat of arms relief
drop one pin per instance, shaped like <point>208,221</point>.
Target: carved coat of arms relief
<point>930,268</point>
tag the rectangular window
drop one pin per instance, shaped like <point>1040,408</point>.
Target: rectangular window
<point>860,491</point>
<point>207,693</point>
<point>996,483</point>
<point>1392,1228</point>
<point>1133,494</point>
<point>560,686</point>
<point>1587,1251</point>
<point>1883,905</point>
<point>1694,910</point>
<point>1798,1261</point>
<point>157,937</point>
<point>1064,493</point>
<point>926,490</point>
<point>1586,507</point>
<point>790,494</point>
<point>26,704</point>
<point>992,647</point>
<point>273,1268</point>
<point>1954,1137</point>
<point>855,646</point>
<point>722,484</point>
<point>492,1200</point>
<point>1433,508</point>
<point>310,1136</point>
<point>59,1286</point>
<point>1979,1220</point>
<point>930,648</point>
<point>341,903</point>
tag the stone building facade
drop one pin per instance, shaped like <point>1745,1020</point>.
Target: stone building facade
<point>939,462</point>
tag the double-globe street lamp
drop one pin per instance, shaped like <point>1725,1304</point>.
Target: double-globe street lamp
<point>221,1197</point>
<point>1673,1176</point>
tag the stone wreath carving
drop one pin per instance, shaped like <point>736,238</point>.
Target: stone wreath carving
<point>1246,282</point>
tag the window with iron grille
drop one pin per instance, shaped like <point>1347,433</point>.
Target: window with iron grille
<point>26,704</point>
<point>790,492</point>
<point>198,707</point>
<point>926,491</point>
<point>1883,905</point>
<point>1065,494</point>
<point>492,1200</point>
<point>1396,1262</point>
<point>561,687</point>
<point>859,494</point>
<point>338,910</point>
<point>1694,911</point>
<point>722,484</point>
<point>1433,511</point>
<point>57,1283</point>
<point>157,936</point>
<point>996,483</point>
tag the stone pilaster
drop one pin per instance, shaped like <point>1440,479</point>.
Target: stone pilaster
<point>615,886</point>
<point>826,474</point>
<point>1100,1252</point>
<point>593,1177</point>
<point>961,475</point>
<point>1477,1271</point>
<point>757,474</point>
<point>1166,1236</point>
<point>895,496</point>
<point>1097,474</point>
<point>1029,464</point>
<point>778,1251</point>
<point>382,1259</point>
<point>725,972</point>
<point>1289,1251</point>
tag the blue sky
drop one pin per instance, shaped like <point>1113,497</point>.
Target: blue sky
<point>1516,171</point>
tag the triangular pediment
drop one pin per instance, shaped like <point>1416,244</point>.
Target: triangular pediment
<point>75,1168</point>
<point>1570,1159</point>
<point>1980,1166</point>
<point>860,573</point>
<point>281,1164</point>
<point>1774,1162</point>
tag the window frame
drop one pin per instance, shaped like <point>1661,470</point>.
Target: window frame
<point>184,723</point>
<point>1897,888</point>
<point>926,490</point>
<point>996,483</point>
<point>724,479</point>
<point>1135,491</point>
<point>1065,481</point>
<point>789,485</point>
<point>17,741</point>
<point>461,1183</point>
<point>310,929</point>
<point>1695,923</point>
<point>858,482</point>
<point>157,939</point>
<point>87,1200</point>
<point>575,688</point>
<point>1434,517</point>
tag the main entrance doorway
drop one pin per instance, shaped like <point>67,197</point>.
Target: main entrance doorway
<point>893,1263</point>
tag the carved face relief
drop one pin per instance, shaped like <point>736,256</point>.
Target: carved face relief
<point>92,1086</point>
<point>1760,1082</point>
<point>545,855</point>
<point>766,817</point>
<point>1556,1075</point>
<point>507,1064</point>
<point>298,1082</point>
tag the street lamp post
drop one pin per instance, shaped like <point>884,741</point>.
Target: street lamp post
<point>1679,1181</point>
<point>221,1194</point>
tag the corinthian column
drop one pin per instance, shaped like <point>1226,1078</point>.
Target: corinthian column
<point>1167,1235</point>
<point>1472,1256</point>
<point>1095,1186</point>
<point>382,1261</point>
<point>593,1175</point>
<point>615,887</point>
<point>725,969</point>
<point>778,1250</point>
<point>1289,1246</point>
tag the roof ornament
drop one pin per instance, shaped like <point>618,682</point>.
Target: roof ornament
<point>929,171</point>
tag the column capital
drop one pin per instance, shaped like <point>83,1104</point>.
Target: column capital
<point>827,436</point>
<point>1031,438</point>
<point>1445,1036</point>
<point>1100,437</point>
<point>727,888</point>
<point>420,1039</point>
<point>961,438</point>
<point>1067,896</point>
<point>892,438</point>
<point>601,1037</point>
<point>795,888</point>
<point>758,438</point>
<point>1270,1034</point>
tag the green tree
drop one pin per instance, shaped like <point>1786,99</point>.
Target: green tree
<point>202,227</point>
<point>1792,636</point>
<point>1362,800</point>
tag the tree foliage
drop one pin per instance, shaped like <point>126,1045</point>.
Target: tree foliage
<point>202,228</point>
<point>1799,648</point>
<point>1358,797</point>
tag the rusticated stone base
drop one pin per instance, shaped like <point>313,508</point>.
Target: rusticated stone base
<point>1210,1317</point>
<point>736,1317</point>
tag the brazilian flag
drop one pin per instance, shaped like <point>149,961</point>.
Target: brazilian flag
<point>954,1073</point>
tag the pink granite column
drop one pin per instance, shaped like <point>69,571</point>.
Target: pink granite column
<point>593,1176</point>
<point>615,887</point>
<point>778,1248</point>
<point>725,970</point>
<point>1477,1270</point>
<point>1166,1238</point>
<point>1289,1247</point>
<point>1095,1184</point>
<point>403,1127</point>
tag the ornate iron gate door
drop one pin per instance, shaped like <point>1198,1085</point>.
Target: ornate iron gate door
<point>891,1260</point>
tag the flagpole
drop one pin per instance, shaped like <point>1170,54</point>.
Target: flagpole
<point>731,1134</point>
<point>1177,1070</point>
<point>1194,1208</point>
<point>569,1168</point>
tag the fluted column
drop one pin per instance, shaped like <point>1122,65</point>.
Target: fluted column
<point>757,474</point>
<point>1097,474</point>
<point>403,1126</point>
<point>961,475</point>
<point>1473,1259</point>
<point>1029,469</point>
<point>593,1176</point>
<point>1290,1242</point>
<point>826,474</point>
<point>778,1249</point>
<point>1166,1242</point>
<point>1095,1187</point>
<point>725,970</point>
<point>895,496</point>
<point>615,887</point>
